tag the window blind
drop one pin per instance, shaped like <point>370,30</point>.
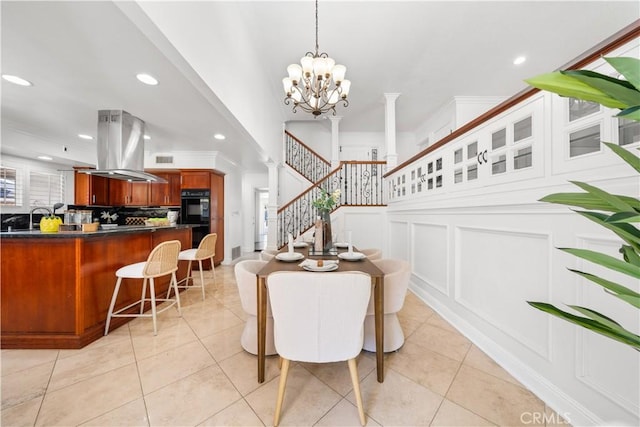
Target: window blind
<point>45,189</point>
<point>10,187</point>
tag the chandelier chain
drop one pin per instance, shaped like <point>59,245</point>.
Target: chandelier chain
<point>317,45</point>
<point>317,84</point>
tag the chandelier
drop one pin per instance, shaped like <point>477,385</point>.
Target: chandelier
<point>317,84</point>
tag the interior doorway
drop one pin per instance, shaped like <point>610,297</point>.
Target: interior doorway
<point>261,219</point>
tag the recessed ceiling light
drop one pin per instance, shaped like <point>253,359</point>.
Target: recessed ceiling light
<point>147,137</point>
<point>147,79</point>
<point>17,80</point>
<point>83,136</point>
<point>519,60</point>
<point>45,158</point>
<point>219,136</point>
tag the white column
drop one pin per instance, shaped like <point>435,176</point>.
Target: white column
<point>272,207</point>
<point>390,129</point>
<point>335,141</point>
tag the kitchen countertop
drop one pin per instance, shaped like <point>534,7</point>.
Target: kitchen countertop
<point>121,229</point>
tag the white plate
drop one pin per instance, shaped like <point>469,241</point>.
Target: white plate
<point>341,245</point>
<point>300,245</point>
<point>286,256</point>
<point>326,267</point>
<point>354,256</point>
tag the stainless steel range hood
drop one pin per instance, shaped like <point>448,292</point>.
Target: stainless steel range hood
<point>120,146</point>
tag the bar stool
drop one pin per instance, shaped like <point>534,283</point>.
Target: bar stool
<point>162,261</point>
<point>205,250</point>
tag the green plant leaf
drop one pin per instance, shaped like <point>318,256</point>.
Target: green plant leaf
<point>630,255</point>
<point>630,158</point>
<point>631,113</point>
<point>624,217</point>
<point>611,199</point>
<point>605,261</point>
<point>588,201</point>
<point>626,338</point>
<point>626,232</point>
<point>620,90</point>
<point>627,66</point>
<point>634,301</point>
<point>564,85</point>
<point>616,288</point>
<point>592,314</point>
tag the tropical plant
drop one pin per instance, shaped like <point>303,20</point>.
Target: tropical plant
<point>617,213</point>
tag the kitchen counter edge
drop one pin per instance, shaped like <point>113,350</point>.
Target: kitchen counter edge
<point>125,229</point>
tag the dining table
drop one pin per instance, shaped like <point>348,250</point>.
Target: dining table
<point>363,265</point>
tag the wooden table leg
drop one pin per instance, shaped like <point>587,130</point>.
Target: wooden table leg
<point>379,321</point>
<point>262,325</point>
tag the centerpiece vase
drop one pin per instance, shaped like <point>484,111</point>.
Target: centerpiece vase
<point>327,241</point>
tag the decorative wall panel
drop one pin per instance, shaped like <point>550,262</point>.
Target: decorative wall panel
<point>430,250</point>
<point>398,240</point>
<point>621,379</point>
<point>494,280</point>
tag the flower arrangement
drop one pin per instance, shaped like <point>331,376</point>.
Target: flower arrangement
<point>327,201</point>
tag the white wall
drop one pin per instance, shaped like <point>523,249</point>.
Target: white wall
<point>481,248</point>
<point>315,134</point>
<point>291,184</point>
<point>24,167</point>
<point>250,183</point>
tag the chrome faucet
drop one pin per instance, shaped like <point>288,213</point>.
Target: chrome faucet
<point>31,215</point>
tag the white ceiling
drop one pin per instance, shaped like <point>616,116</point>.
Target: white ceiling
<point>83,57</point>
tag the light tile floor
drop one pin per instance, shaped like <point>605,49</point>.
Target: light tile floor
<point>195,373</point>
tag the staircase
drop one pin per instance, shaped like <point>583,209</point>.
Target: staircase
<point>360,183</point>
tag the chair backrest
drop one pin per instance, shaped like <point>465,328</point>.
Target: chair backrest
<point>163,259</point>
<point>318,317</point>
<point>207,246</point>
<point>397,273</point>
<point>245,272</point>
<point>267,255</point>
<point>372,253</point>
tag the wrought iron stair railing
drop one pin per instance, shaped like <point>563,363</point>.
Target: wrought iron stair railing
<point>360,183</point>
<point>304,160</point>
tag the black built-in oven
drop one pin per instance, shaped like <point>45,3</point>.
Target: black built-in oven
<point>196,205</point>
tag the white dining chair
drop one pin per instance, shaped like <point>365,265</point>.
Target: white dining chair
<point>318,317</point>
<point>162,261</point>
<point>267,254</point>
<point>372,253</point>
<point>396,280</point>
<point>245,272</point>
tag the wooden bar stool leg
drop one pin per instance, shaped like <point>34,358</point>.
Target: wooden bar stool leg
<point>152,291</point>
<point>144,294</point>
<point>201,278</point>
<point>112,305</point>
<point>189,275</point>
<point>174,283</point>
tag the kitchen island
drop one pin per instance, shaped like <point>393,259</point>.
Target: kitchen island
<point>56,287</point>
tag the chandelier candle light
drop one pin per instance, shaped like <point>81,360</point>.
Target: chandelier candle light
<point>317,84</point>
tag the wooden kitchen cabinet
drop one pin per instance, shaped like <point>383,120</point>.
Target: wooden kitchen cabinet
<point>217,214</point>
<point>165,194</point>
<point>125,193</point>
<point>90,189</point>
<point>195,179</point>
